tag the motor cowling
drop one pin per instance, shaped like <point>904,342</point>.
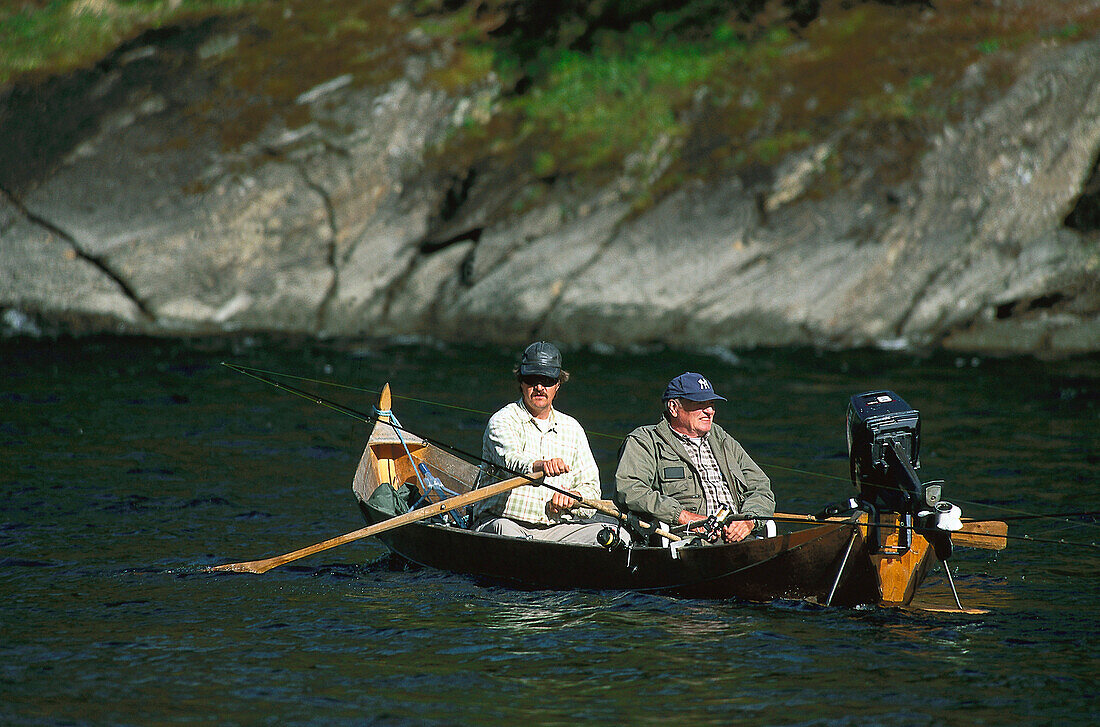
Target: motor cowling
<point>884,437</point>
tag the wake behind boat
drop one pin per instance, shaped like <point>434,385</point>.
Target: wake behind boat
<point>878,551</point>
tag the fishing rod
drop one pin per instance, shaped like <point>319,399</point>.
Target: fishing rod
<point>375,418</point>
<point>323,382</point>
<point>1056,516</point>
<point>370,419</point>
<point>929,531</point>
<point>616,437</point>
<point>924,531</point>
<point>261,375</point>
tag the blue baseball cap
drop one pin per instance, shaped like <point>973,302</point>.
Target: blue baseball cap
<point>691,386</point>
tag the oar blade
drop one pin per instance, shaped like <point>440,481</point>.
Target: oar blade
<point>984,534</point>
<point>252,566</point>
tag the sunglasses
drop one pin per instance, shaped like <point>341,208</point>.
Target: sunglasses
<point>546,381</point>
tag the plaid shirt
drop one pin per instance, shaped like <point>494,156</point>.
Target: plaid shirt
<point>715,488</point>
<point>516,440</point>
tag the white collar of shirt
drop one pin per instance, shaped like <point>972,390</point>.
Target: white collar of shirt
<point>694,441</point>
<point>549,424</point>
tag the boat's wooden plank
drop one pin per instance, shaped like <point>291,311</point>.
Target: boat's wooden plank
<point>900,575</point>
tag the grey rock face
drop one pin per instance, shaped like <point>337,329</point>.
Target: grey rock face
<point>142,219</point>
<point>988,229</point>
<point>978,257</point>
<point>43,270</point>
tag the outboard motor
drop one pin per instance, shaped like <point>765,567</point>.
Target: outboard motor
<point>884,449</point>
<point>883,454</point>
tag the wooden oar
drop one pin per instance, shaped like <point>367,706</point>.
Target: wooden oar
<point>423,513</point>
<point>985,534</point>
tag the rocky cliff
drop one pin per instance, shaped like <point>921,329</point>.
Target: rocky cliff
<point>147,195</point>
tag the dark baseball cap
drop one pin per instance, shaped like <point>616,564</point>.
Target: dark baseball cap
<point>541,358</point>
<point>691,386</point>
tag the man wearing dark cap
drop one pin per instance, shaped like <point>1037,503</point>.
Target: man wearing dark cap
<point>686,468</point>
<point>531,436</point>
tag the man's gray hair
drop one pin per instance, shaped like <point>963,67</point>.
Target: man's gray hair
<point>666,402</point>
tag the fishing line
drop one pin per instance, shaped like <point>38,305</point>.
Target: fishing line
<point>372,419</point>
<point>1021,514</point>
<point>925,531</point>
<point>1063,527</point>
<point>1057,515</point>
<point>368,419</point>
<point>323,382</point>
<point>1024,515</point>
<point>1061,541</point>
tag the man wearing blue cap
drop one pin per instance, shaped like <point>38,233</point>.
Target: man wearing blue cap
<point>531,436</point>
<point>686,468</point>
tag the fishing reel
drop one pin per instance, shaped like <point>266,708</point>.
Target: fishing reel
<point>714,526</point>
<point>883,454</point>
<point>608,538</point>
<point>710,529</point>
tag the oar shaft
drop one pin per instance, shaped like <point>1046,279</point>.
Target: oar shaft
<point>423,513</point>
<point>982,534</point>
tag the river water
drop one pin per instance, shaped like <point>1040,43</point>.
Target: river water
<point>129,464</point>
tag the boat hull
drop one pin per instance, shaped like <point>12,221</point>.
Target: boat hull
<point>800,565</point>
<point>829,563</point>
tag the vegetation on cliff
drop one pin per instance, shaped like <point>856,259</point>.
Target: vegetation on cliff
<point>42,37</point>
<point>664,90</point>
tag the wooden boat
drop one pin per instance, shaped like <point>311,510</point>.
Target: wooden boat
<point>837,562</point>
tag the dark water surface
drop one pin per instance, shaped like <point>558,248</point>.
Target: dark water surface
<point>127,465</point>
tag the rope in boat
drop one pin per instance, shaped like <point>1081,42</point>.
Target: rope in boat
<point>426,488</point>
<point>1018,514</point>
<point>400,431</point>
